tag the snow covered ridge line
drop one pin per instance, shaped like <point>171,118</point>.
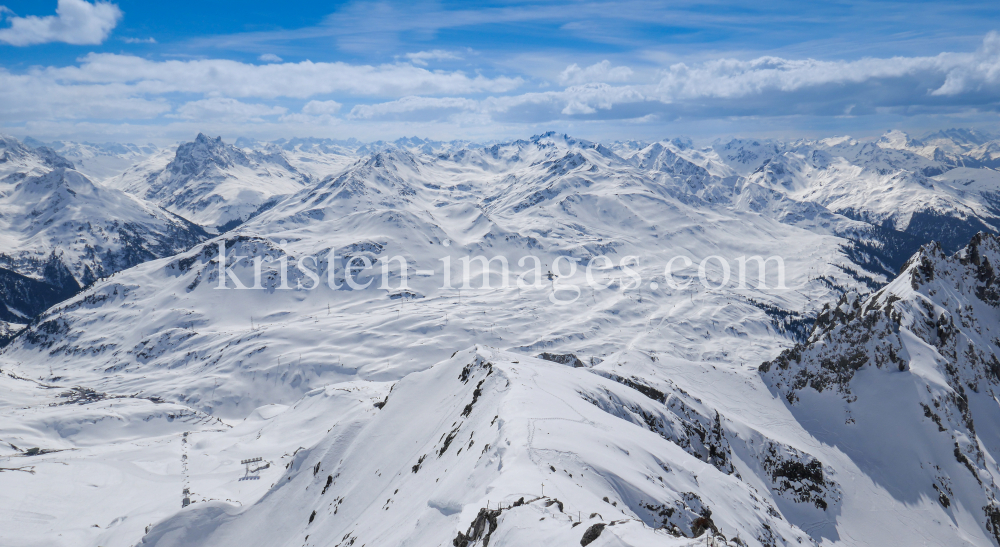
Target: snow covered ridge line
<point>600,273</point>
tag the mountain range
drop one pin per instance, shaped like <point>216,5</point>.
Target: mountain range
<point>849,401</point>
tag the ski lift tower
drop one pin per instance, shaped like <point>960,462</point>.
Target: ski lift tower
<point>253,469</point>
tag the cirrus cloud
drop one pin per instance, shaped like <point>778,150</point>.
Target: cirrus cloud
<point>421,57</point>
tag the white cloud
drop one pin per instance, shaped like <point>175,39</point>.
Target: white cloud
<point>106,87</point>
<point>26,97</point>
<point>315,113</point>
<point>129,40</point>
<point>765,86</point>
<point>123,87</point>
<point>588,99</point>
<point>318,108</point>
<point>269,58</point>
<point>576,100</point>
<point>599,72</point>
<point>296,80</point>
<point>412,104</point>
<point>421,57</point>
<point>731,78</point>
<point>75,22</point>
<point>220,108</point>
<point>983,70</point>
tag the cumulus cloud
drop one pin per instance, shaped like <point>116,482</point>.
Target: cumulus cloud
<point>231,110</point>
<point>319,108</point>
<point>599,72</point>
<point>29,97</point>
<point>270,58</point>
<point>982,70</point>
<point>765,86</point>
<point>421,57</point>
<point>123,87</point>
<point>588,99</point>
<point>75,22</point>
<point>953,73</point>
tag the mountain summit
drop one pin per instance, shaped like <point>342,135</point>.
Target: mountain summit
<point>212,183</point>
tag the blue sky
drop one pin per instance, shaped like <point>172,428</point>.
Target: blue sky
<point>139,70</point>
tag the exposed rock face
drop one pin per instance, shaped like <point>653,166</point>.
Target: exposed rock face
<point>563,358</point>
<point>460,474</point>
<point>924,350</point>
<point>62,232</point>
<point>946,302</point>
<point>212,183</point>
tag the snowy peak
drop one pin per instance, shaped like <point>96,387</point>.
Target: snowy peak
<point>79,150</point>
<point>63,210</point>
<point>885,159</point>
<point>960,136</point>
<point>625,149</point>
<point>388,180</point>
<point>932,291</point>
<point>686,170</point>
<point>746,155</point>
<point>206,157</point>
<point>16,157</point>
<point>379,179</point>
<point>895,188</point>
<point>524,153</point>
<point>204,154</point>
<point>63,232</point>
<point>897,140</point>
<point>656,157</point>
<point>560,141</point>
<point>309,145</point>
<point>52,188</point>
<point>99,161</point>
<point>913,369</point>
<point>561,175</point>
<point>415,145</point>
<point>949,147</point>
<point>213,183</point>
<point>491,447</point>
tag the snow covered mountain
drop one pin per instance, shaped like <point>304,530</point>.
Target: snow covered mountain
<point>747,155</point>
<point>61,232</point>
<point>15,157</point>
<point>886,187</point>
<point>317,157</point>
<point>515,404</point>
<point>905,383</point>
<point>954,147</point>
<point>643,462</point>
<point>504,450</point>
<point>212,183</point>
<point>98,161</point>
<point>547,196</point>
